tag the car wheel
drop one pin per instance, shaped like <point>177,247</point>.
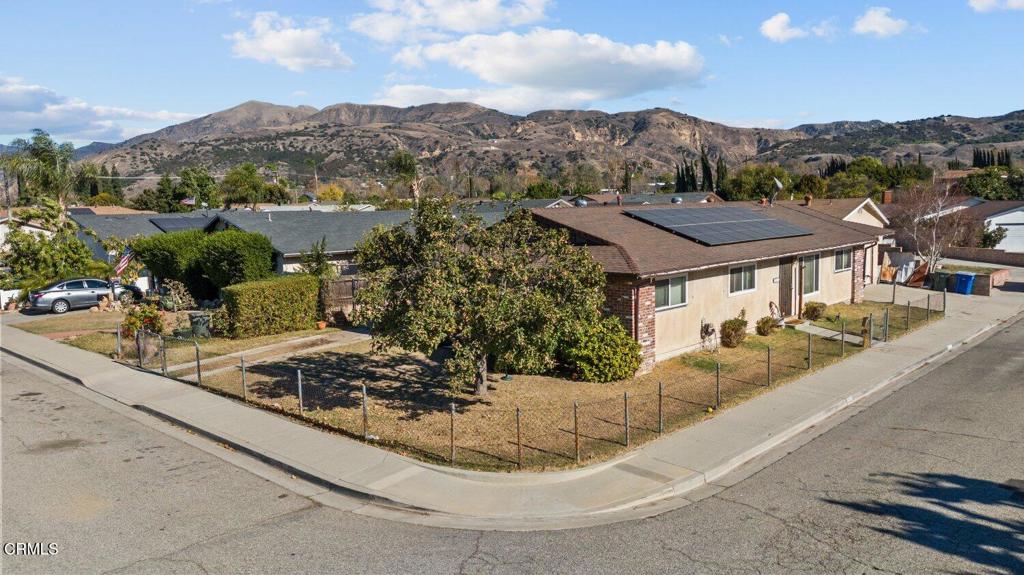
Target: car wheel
<point>61,306</point>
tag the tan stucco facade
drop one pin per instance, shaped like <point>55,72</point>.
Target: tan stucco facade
<point>677,329</point>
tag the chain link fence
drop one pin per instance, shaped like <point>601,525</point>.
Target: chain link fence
<point>424,421</point>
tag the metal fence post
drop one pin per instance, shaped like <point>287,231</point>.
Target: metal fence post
<point>366,416</point>
<point>894,291</point>
<point>842,339</point>
<point>138,345</point>
<point>928,310</point>
<point>769,366</point>
<point>451,434</point>
<point>576,427</point>
<point>625,414</point>
<point>661,408</point>
<point>298,374</point>
<point>245,392</point>
<point>943,299</point>
<point>871,328</point>
<point>908,315</point>
<point>810,361</point>
<point>118,348</point>
<point>519,438</point>
<point>885,326</point>
<point>163,356</point>
<point>718,384</point>
<point>199,365</point>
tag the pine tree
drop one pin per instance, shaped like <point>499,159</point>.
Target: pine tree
<point>116,188</point>
<point>104,183</point>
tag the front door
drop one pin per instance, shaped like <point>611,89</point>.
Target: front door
<point>786,286</point>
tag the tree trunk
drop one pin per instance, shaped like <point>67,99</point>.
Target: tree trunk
<point>416,200</point>
<point>480,381</point>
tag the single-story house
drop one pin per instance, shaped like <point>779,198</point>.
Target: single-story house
<point>594,200</point>
<point>126,226</point>
<point>1008,214</point>
<point>293,233</point>
<point>8,217</point>
<point>106,210</point>
<point>672,269</point>
<point>861,211</point>
<point>485,206</point>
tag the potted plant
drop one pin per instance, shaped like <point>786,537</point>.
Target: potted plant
<point>321,324</point>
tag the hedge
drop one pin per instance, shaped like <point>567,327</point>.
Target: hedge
<point>175,256</point>
<point>234,256</point>
<point>276,305</point>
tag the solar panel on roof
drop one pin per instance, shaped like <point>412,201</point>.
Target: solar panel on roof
<point>719,225</point>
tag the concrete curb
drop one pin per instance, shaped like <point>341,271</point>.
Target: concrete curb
<point>616,511</point>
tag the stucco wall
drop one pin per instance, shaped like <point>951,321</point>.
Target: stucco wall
<point>863,216</point>
<point>677,330</point>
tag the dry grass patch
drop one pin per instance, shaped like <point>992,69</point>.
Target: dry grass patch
<point>73,322</point>
<point>409,407</point>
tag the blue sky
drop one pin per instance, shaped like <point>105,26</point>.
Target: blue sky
<point>109,70</point>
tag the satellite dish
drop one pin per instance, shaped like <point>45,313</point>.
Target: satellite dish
<point>580,203</point>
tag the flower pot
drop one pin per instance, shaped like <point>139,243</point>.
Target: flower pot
<point>321,325</point>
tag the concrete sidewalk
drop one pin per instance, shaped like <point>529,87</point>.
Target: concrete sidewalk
<point>393,486</point>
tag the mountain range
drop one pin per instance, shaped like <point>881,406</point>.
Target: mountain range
<point>353,140</point>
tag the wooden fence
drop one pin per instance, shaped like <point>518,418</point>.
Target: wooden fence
<point>337,298</point>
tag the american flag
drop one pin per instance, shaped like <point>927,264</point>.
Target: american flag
<point>126,258</point>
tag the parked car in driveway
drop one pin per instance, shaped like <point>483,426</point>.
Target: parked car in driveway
<point>59,297</point>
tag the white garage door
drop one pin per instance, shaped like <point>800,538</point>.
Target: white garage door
<point>1014,241</point>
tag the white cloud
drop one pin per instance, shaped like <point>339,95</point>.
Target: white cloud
<point>275,38</point>
<point>24,107</point>
<point>990,5</point>
<point>778,29</point>
<point>517,99</point>
<point>408,21</point>
<point>727,40</point>
<point>878,22</point>
<point>825,28</point>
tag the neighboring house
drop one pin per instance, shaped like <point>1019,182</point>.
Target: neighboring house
<point>7,218</point>
<point>485,206</point>
<point>106,210</point>
<point>860,211</point>
<point>665,280</point>
<point>293,233</point>
<point>617,199</point>
<point>1008,214</point>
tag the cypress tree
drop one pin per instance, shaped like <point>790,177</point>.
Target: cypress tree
<point>116,187</point>
<point>721,174</point>
<point>706,177</point>
<point>627,178</point>
<point>104,180</point>
<point>680,183</point>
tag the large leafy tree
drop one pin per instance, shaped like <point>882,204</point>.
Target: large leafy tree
<point>755,181</point>
<point>514,292</point>
<point>197,183</point>
<point>44,169</point>
<point>35,259</point>
<point>243,184</point>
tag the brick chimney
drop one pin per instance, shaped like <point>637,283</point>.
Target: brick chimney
<point>887,197</point>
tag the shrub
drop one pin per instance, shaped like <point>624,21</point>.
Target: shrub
<point>813,310</point>
<point>734,331</point>
<point>766,325</point>
<point>175,256</point>
<point>276,305</point>
<point>234,256</point>
<point>179,294</point>
<point>138,317</point>
<point>604,352</point>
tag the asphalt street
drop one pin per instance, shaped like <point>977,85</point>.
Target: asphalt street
<point>929,479</point>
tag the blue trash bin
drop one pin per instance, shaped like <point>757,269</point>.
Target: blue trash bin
<point>964,283</point>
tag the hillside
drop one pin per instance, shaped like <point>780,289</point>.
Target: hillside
<point>351,140</point>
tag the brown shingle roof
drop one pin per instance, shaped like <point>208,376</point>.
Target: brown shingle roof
<point>644,250</point>
<point>837,207</point>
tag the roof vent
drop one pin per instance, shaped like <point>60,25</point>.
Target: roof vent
<point>580,203</point>
<point>677,200</point>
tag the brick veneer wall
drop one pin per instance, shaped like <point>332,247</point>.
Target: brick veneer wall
<point>857,289</point>
<point>632,301</point>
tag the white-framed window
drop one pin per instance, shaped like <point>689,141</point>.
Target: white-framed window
<point>843,260</point>
<point>669,293</point>
<point>742,279</point>
<point>810,266</point>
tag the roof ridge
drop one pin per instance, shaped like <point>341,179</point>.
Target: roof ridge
<point>827,218</point>
<point>629,261</point>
